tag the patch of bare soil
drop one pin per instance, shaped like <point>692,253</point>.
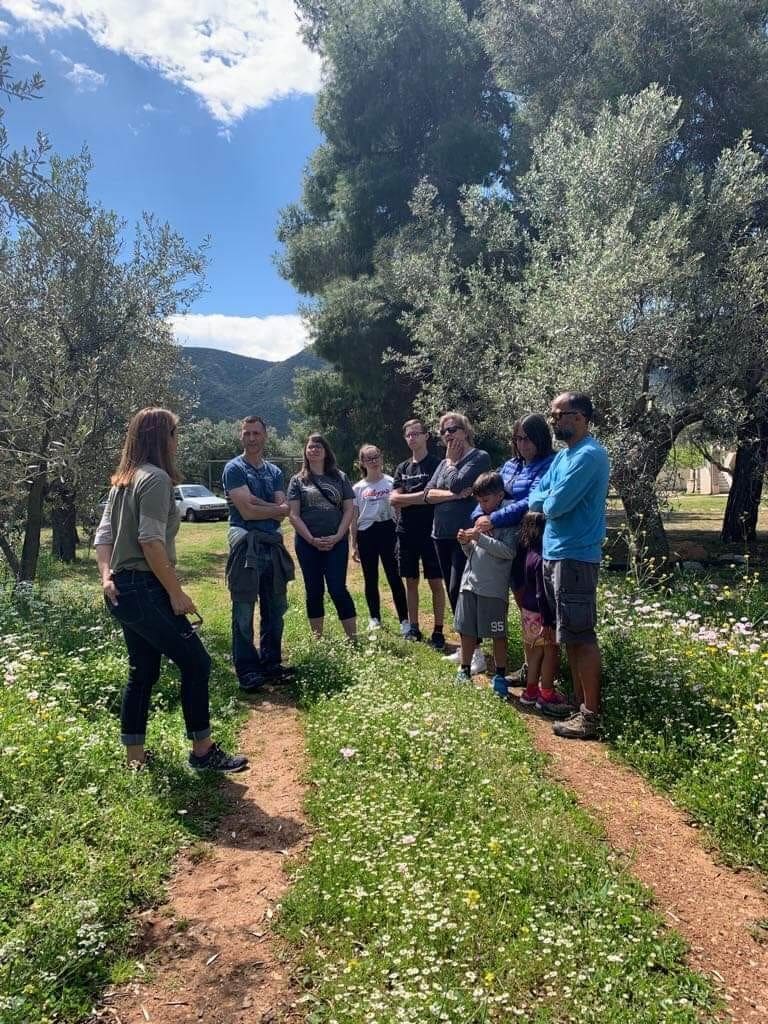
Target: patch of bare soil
<point>210,951</point>
<point>721,912</point>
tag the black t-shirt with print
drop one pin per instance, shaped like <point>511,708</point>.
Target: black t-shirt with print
<point>410,477</point>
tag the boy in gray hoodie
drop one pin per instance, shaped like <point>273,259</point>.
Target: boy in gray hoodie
<point>483,602</point>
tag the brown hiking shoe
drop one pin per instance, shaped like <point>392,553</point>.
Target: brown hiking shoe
<point>582,726</point>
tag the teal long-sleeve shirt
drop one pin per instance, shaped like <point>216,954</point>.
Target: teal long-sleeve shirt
<point>572,495</point>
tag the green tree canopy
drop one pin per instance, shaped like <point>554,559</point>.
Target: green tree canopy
<point>570,56</point>
<point>85,343</point>
<point>408,95</point>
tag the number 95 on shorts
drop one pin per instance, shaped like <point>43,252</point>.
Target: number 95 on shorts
<point>480,616</point>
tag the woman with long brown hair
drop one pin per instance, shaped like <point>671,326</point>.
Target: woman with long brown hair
<point>321,503</point>
<point>136,554</point>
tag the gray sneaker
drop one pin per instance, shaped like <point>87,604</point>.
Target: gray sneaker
<point>582,726</point>
<point>519,678</point>
<point>216,760</point>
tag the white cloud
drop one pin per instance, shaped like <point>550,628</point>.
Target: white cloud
<point>28,58</point>
<point>5,28</point>
<point>149,108</point>
<point>83,78</point>
<point>236,55</point>
<point>261,337</point>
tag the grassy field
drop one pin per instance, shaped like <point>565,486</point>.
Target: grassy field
<point>449,881</point>
<point>82,841</point>
<point>693,520</point>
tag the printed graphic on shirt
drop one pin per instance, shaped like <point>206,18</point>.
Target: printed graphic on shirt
<point>377,492</point>
<point>372,501</point>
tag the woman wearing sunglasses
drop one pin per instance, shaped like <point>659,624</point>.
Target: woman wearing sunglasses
<point>136,554</point>
<point>450,491</point>
<point>532,455</point>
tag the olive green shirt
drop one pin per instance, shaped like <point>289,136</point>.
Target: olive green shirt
<point>141,512</point>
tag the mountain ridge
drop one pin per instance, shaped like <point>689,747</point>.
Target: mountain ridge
<point>231,386</point>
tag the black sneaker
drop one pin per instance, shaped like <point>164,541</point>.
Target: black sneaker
<point>437,640</point>
<point>414,633</point>
<point>278,674</point>
<point>216,760</point>
<point>252,682</point>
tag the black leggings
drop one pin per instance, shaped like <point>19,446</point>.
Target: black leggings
<point>452,561</point>
<point>325,568</point>
<point>374,543</point>
<point>152,629</point>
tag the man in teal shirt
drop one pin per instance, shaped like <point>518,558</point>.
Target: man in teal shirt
<point>572,495</point>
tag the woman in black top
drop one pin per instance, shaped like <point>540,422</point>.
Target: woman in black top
<point>321,503</point>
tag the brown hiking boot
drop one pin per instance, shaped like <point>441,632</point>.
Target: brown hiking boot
<point>582,726</point>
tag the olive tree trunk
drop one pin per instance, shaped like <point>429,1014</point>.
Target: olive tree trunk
<point>743,505</point>
<point>30,552</point>
<point>64,522</point>
<point>634,476</point>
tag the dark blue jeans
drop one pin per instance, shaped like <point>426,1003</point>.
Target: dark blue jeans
<point>321,569</point>
<point>247,660</point>
<point>151,630</point>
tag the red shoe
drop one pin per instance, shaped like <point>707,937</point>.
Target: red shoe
<point>530,697</point>
<point>554,704</point>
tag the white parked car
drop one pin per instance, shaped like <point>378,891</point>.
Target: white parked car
<point>196,502</point>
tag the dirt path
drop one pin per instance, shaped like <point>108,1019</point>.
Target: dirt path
<point>721,912</point>
<point>210,949</point>
<point>213,954</point>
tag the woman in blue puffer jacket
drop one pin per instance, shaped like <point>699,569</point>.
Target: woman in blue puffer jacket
<point>532,456</point>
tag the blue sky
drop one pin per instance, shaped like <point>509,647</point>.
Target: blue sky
<point>204,118</point>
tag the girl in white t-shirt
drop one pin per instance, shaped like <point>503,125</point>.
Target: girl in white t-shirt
<point>373,536</point>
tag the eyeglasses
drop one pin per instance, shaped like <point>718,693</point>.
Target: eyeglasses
<point>411,437</point>
<point>370,458</point>
<point>449,430</point>
<point>568,412</point>
<point>315,448</point>
<point>197,622</point>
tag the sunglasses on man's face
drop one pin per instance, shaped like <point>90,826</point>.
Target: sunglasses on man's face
<point>449,430</point>
<point>567,412</point>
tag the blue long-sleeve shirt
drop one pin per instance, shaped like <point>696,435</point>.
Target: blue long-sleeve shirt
<point>519,478</point>
<point>572,495</point>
